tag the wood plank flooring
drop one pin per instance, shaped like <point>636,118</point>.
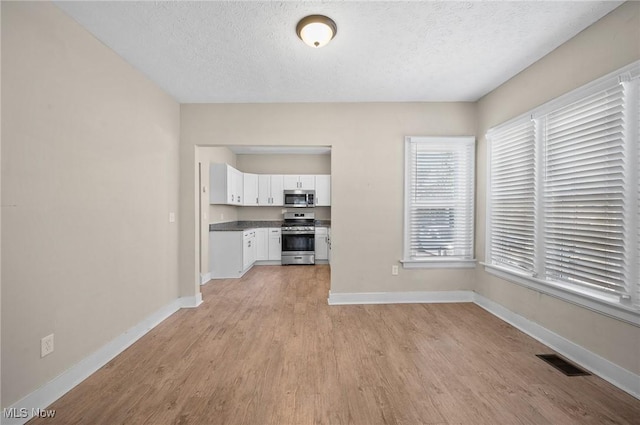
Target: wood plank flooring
<point>267,349</point>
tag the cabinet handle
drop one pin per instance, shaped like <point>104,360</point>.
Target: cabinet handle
<point>256,200</point>
<point>232,199</point>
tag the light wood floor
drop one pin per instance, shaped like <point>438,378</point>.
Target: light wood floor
<point>267,349</point>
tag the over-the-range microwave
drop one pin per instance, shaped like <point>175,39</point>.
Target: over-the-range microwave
<point>300,198</point>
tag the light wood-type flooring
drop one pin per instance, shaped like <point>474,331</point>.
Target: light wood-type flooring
<point>267,349</point>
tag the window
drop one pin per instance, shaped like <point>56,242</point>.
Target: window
<point>439,201</point>
<point>564,196</point>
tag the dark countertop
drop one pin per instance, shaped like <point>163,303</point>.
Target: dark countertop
<point>238,226</point>
<point>243,225</point>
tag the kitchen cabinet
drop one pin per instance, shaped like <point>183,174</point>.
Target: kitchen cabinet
<point>275,244</point>
<point>302,182</point>
<point>270,190</point>
<point>250,189</point>
<point>262,244</point>
<point>249,251</point>
<point>231,254</point>
<point>225,185</point>
<point>322,243</point>
<point>323,190</point>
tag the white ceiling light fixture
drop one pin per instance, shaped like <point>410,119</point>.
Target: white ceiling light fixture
<point>316,30</point>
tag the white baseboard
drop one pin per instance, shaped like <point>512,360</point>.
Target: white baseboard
<point>204,278</point>
<point>60,385</point>
<point>621,378</point>
<point>400,297</point>
<point>190,302</point>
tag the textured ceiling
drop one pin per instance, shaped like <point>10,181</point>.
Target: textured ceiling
<point>240,52</point>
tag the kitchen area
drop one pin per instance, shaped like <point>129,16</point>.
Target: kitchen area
<point>263,206</point>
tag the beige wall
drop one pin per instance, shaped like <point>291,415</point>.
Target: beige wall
<point>609,44</point>
<point>366,161</point>
<point>285,164</point>
<point>90,172</point>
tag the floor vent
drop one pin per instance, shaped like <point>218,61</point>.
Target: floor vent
<point>562,365</point>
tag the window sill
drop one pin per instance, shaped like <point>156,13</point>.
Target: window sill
<point>609,305</point>
<point>440,263</point>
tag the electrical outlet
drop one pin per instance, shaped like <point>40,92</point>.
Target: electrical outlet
<point>172,217</point>
<point>46,345</point>
<point>394,270</point>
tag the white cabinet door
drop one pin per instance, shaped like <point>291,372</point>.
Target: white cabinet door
<point>307,182</point>
<point>291,182</point>
<point>238,184</point>
<point>277,190</point>
<point>249,248</point>
<point>322,243</point>
<point>323,190</point>
<point>270,190</point>
<point>250,187</point>
<point>246,250</point>
<point>264,189</point>
<point>262,244</point>
<point>275,244</point>
<point>302,182</point>
<point>329,241</point>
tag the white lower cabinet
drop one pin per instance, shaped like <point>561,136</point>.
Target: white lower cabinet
<point>322,243</point>
<point>262,244</point>
<point>248,248</point>
<point>231,253</point>
<point>275,243</point>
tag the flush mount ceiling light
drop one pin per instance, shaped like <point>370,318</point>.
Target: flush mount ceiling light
<point>316,30</point>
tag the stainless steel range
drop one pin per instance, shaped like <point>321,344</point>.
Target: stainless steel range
<point>298,238</point>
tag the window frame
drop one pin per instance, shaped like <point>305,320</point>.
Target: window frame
<point>608,304</point>
<point>437,261</point>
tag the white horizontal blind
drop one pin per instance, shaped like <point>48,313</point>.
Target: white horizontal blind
<point>584,193</point>
<point>511,242</point>
<point>440,188</point>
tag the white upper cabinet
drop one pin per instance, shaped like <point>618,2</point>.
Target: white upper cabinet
<point>250,185</point>
<point>225,185</point>
<point>232,187</point>
<point>302,182</point>
<point>270,190</point>
<point>323,190</point>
